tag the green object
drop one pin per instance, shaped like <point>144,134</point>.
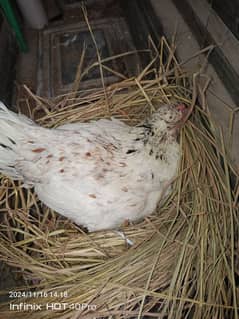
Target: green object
<point>11,18</point>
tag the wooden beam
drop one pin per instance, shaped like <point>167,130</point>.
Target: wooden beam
<point>197,15</point>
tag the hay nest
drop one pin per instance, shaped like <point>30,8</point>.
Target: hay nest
<point>183,262</point>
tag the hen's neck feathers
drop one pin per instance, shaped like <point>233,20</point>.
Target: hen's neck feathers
<point>156,137</point>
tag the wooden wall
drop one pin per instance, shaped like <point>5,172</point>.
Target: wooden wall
<point>228,12</point>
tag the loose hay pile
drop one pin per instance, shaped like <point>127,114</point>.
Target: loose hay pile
<point>184,261</point>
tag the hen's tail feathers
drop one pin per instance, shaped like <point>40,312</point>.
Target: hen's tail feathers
<point>12,127</point>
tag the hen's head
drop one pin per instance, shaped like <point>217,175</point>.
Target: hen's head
<point>169,118</point>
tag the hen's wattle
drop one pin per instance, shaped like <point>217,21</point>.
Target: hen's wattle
<point>98,174</point>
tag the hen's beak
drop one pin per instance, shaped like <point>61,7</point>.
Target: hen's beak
<point>184,112</point>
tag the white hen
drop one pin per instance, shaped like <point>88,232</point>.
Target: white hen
<point>98,174</point>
